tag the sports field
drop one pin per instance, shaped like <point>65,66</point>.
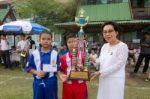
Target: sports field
<point>15,84</point>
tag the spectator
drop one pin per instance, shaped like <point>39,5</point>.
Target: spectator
<point>93,54</point>
<point>94,46</point>
<point>137,52</point>
<point>145,53</point>
<point>132,51</point>
<point>14,57</point>
<point>23,48</point>
<point>32,43</point>
<point>5,52</point>
<point>55,48</point>
<point>98,48</point>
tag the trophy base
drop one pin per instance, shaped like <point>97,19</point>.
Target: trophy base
<point>79,75</point>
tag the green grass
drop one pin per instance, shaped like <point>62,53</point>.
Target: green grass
<point>15,84</point>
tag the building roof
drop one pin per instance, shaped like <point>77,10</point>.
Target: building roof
<point>103,12</point>
<point>130,25</point>
<point>101,22</point>
<point>98,14</point>
<point>3,13</point>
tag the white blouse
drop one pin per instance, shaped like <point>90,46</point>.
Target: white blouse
<point>112,60</point>
<point>4,45</point>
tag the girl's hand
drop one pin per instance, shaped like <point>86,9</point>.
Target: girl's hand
<point>63,77</point>
<point>40,73</point>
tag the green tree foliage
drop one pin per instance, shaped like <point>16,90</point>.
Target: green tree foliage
<point>23,8</point>
<point>47,12</point>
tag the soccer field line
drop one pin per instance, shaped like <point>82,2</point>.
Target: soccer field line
<point>88,84</point>
<point>11,78</point>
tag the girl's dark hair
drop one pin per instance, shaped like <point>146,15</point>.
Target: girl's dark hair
<point>46,32</point>
<point>71,35</point>
<point>114,24</point>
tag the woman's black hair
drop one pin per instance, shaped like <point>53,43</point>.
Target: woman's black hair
<point>114,24</point>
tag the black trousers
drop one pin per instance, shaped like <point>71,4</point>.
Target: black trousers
<point>6,58</point>
<point>139,61</point>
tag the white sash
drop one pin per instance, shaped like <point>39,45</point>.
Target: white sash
<point>68,61</point>
<point>37,60</point>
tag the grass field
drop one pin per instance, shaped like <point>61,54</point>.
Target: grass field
<point>15,84</point>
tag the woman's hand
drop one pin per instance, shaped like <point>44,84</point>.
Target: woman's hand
<point>95,74</point>
<point>92,59</point>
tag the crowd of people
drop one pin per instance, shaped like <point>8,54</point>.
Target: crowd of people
<point>141,55</point>
<point>16,55</point>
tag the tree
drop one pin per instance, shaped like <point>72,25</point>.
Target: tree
<point>47,12</point>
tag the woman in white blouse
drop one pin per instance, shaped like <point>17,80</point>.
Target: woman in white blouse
<point>112,61</point>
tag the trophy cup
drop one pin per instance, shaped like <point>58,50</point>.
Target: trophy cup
<point>80,63</point>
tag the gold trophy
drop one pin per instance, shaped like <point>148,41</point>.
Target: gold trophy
<point>80,63</point>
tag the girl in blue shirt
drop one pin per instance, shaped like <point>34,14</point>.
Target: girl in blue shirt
<point>43,64</point>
